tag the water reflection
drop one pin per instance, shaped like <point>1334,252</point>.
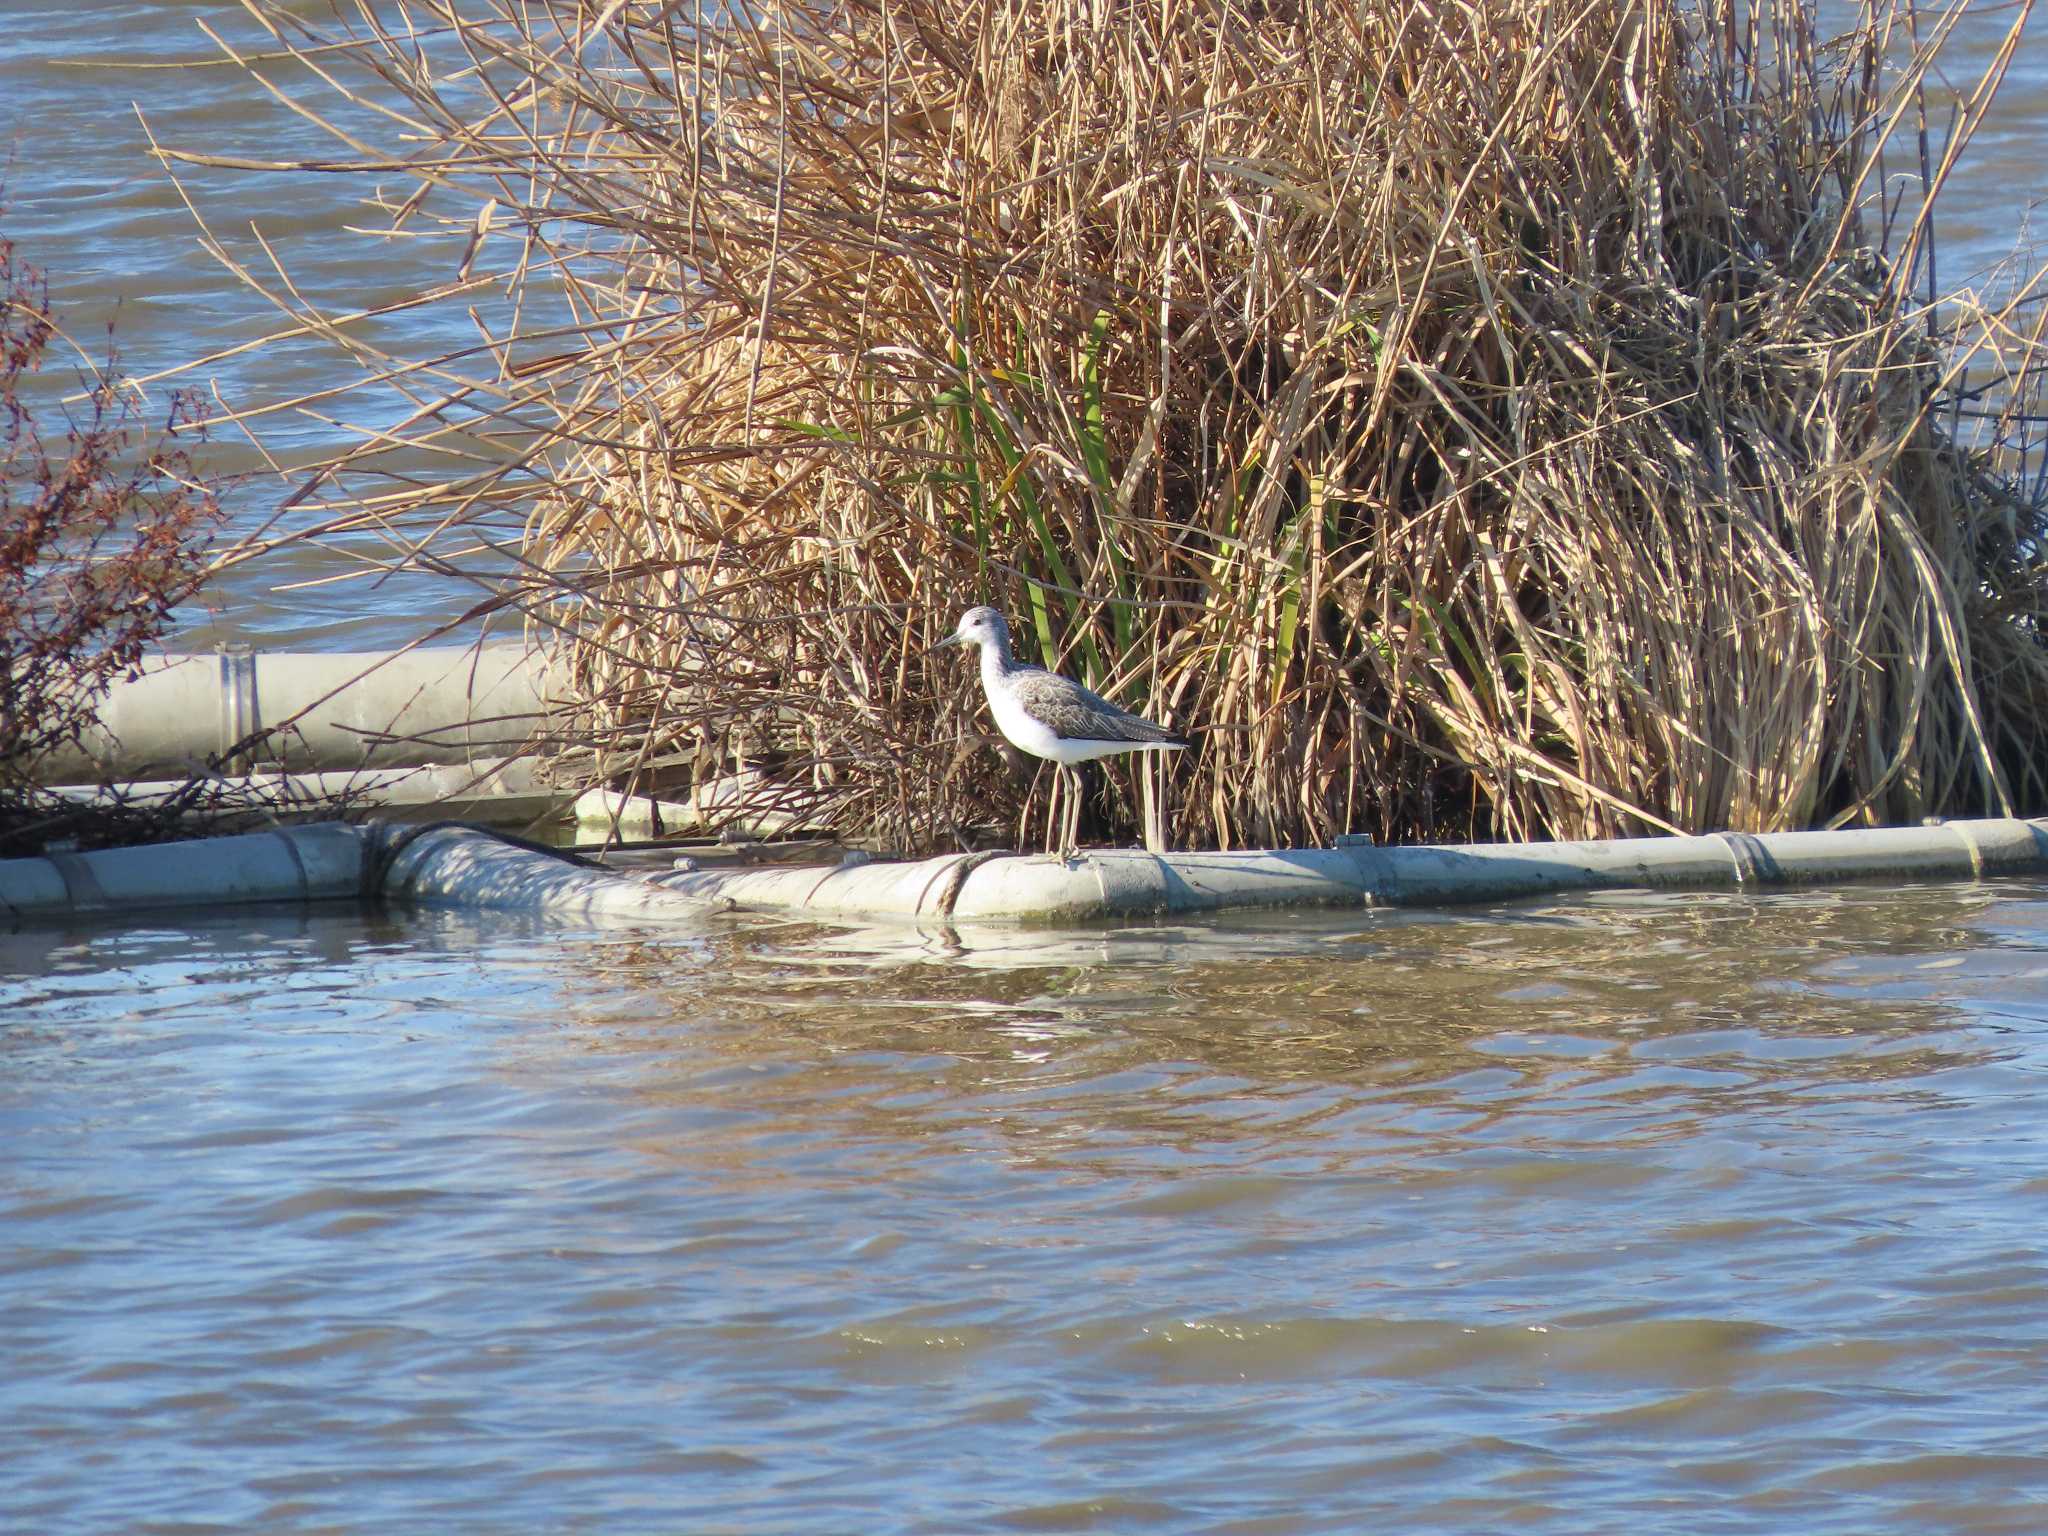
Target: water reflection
<point>1841,985</point>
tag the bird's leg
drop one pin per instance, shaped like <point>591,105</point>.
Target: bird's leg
<point>1055,807</point>
<point>1071,842</point>
<point>1080,805</point>
<point>1148,806</point>
<point>1065,814</point>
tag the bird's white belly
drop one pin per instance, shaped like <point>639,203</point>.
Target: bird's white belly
<point>1027,733</point>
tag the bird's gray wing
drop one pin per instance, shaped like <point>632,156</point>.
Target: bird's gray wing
<point>1075,713</point>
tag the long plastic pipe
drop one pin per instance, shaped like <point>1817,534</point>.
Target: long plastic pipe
<point>351,709</point>
<point>320,862</point>
<point>462,867</point>
<point>331,861</point>
<point>503,792</point>
<point>456,867</point>
<point>1122,883</point>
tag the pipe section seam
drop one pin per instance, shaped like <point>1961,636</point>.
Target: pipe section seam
<point>81,886</point>
<point>1755,864</point>
<point>955,880</point>
<point>291,848</point>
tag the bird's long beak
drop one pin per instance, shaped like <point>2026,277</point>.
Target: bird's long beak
<point>956,638</point>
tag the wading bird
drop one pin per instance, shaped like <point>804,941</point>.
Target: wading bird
<point>1053,717</point>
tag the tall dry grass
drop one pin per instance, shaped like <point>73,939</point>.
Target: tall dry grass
<point>1503,418</point>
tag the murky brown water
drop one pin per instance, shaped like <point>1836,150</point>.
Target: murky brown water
<point>1701,1213</point>
<point>89,205</point>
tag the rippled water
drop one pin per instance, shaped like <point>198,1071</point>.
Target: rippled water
<point>1700,1213</point>
<point>90,205</point>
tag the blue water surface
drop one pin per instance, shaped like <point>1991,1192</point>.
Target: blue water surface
<point>1703,1213</point>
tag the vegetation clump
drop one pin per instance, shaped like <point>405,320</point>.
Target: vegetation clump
<point>1514,419</point>
<point>102,535</point>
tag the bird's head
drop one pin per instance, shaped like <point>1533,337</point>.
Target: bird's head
<point>980,627</point>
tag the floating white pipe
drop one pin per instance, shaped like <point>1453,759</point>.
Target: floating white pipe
<point>1129,883</point>
<point>500,792</point>
<point>330,861</point>
<point>320,862</point>
<point>351,709</point>
<point>458,866</point>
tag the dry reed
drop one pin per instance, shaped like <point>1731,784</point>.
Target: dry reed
<point>1508,418</point>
